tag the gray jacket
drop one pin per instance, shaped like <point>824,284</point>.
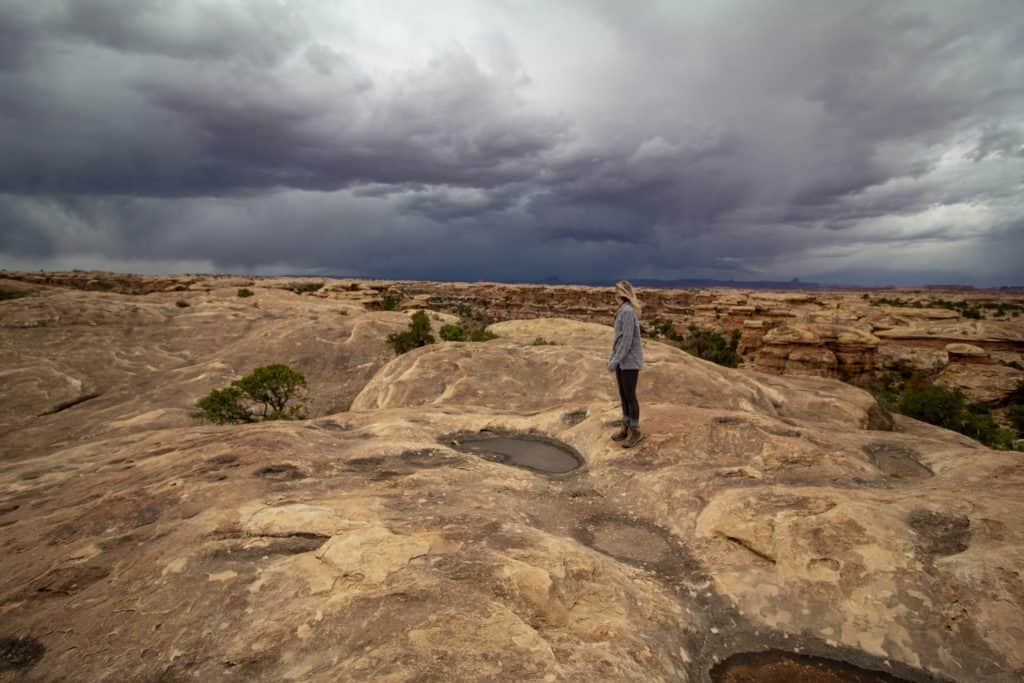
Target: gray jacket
<point>627,350</point>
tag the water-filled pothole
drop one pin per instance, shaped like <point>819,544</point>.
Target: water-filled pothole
<point>776,666</point>
<point>521,450</point>
<point>896,461</point>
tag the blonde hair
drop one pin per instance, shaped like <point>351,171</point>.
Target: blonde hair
<point>625,291</point>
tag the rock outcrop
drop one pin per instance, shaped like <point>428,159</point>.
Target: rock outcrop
<point>819,350</point>
<point>761,512</point>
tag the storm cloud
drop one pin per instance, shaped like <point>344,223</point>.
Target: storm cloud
<point>859,142</point>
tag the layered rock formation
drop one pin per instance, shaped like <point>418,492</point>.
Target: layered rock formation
<point>762,512</point>
<point>821,350</point>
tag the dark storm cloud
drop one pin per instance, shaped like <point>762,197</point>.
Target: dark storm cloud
<point>739,138</point>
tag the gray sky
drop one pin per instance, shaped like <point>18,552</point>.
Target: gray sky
<point>852,142</point>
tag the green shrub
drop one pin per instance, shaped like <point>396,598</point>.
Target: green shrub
<point>948,408</point>
<point>1015,415</point>
<point>541,341</point>
<point>712,346</point>
<point>659,327</point>
<point>698,341</point>
<point>416,336</point>
<point>466,331</point>
<point>266,393</point>
<point>244,292</point>
<point>979,424</point>
<point>934,404</point>
<point>304,287</point>
<point>181,303</point>
<point>391,301</point>
<point>223,406</point>
<point>469,315</point>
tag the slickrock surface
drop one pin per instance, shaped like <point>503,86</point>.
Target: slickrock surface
<point>761,512</point>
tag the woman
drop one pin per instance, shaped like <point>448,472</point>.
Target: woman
<point>626,360</point>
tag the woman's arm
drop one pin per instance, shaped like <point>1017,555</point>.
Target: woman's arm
<point>625,319</point>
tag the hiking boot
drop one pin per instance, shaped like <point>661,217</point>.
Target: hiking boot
<point>634,437</point>
<point>621,434</point>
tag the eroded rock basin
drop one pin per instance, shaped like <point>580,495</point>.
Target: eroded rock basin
<point>775,666</point>
<point>521,450</point>
<point>897,461</point>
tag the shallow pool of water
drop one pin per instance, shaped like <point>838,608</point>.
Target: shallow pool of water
<point>529,452</point>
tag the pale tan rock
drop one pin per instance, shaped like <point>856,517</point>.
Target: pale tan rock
<point>988,383</point>
<point>371,553</point>
<point>897,356</point>
<point>960,351</point>
<point>296,519</point>
<point>791,334</point>
<point>762,510</point>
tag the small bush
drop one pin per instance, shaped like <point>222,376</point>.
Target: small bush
<point>244,292</point>
<point>541,341</point>
<point>699,341</point>
<point>712,346</point>
<point>304,287</point>
<point>454,332</point>
<point>1015,415</point>
<point>266,393</point>
<point>934,404</point>
<point>948,408</point>
<point>416,336</point>
<point>181,303</point>
<point>659,327</point>
<point>223,406</point>
<point>469,315</point>
<point>466,331</point>
<point>979,424</point>
<point>391,301</point>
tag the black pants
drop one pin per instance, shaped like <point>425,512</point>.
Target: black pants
<point>626,380</point>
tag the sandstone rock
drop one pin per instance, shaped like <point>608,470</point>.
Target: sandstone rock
<point>966,353</point>
<point>761,511</point>
<point>826,350</point>
<point>984,383</point>
<point>296,520</point>
<point>371,554</point>
<point>898,356</point>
